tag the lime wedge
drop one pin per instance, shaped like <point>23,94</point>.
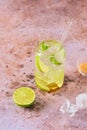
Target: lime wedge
<point>24,96</point>
<point>42,67</point>
<point>42,85</point>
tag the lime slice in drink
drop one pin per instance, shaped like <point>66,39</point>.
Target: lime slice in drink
<point>24,96</point>
<point>42,85</point>
<point>56,76</point>
<point>41,77</point>
<point>52,86</point>
<point>42,67</point>
<point>44,80</point>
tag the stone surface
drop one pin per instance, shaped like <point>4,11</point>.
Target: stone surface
<point>23,23</point>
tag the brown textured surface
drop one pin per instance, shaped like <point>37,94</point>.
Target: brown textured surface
<point>22,24</point>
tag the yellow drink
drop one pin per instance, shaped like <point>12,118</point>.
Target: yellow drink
<point>49,65</point>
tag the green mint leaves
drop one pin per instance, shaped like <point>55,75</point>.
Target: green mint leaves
<point>54,61</point>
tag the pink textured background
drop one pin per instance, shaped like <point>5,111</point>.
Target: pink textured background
<point>23,23</point>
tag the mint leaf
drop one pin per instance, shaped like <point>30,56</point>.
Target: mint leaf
<point>44,46</point>
<point>53,60</point>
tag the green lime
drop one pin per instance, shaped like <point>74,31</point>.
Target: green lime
<point>24,96</point>
<point>42,85</point>
<point>44,68</point>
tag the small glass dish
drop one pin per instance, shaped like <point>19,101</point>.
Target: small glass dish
<point>82,66</point>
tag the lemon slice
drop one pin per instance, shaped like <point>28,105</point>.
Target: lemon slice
<point>44,68</point>
<point>24,96</point>
<point>42,85</point>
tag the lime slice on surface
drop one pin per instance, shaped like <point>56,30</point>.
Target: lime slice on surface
<point>24,96</point>
<point>41,66</point>
<point>42,85</point>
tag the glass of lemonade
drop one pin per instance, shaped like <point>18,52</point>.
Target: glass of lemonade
<point>49,65</point>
